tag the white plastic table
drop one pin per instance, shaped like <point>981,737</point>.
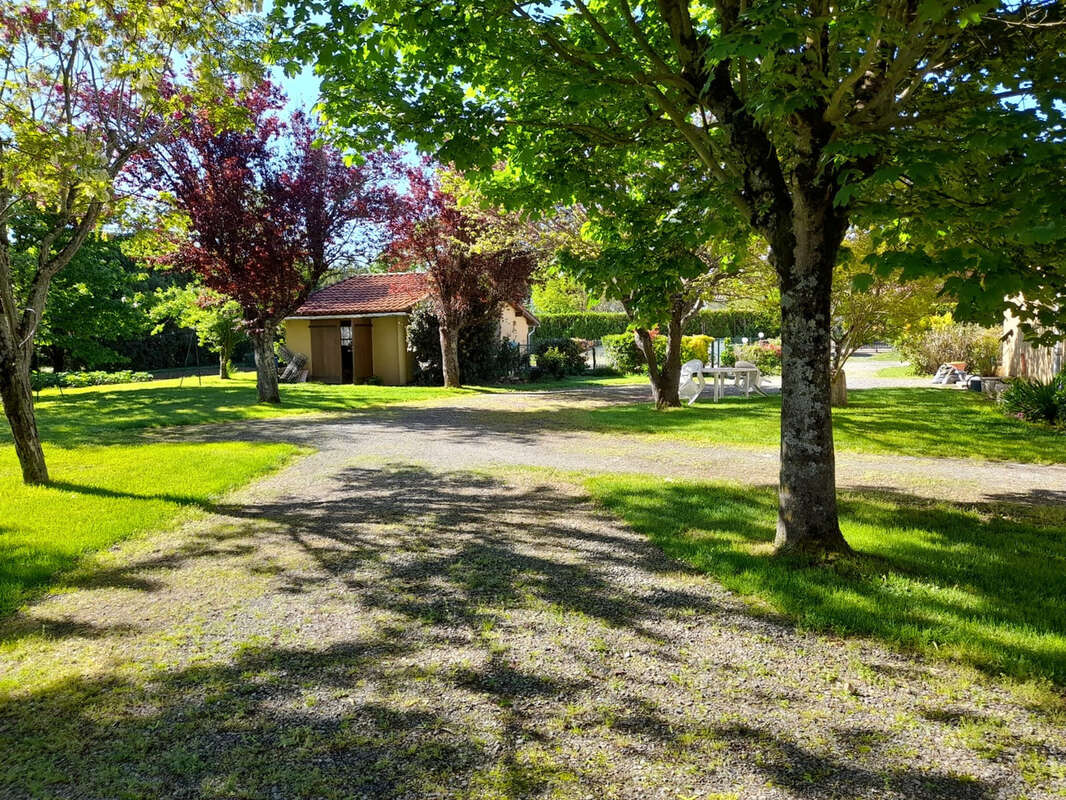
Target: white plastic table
<point>718,376</point>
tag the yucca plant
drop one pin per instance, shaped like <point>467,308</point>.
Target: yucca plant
<point>1037,401</point>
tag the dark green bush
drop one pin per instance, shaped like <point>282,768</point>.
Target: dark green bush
<point>482,356</point>
<point>719,323</point>
<point>573,355</point>
<point>1036,401</point>
<point>623,353</point>
<point>552,363</point>
<point>42,380</point>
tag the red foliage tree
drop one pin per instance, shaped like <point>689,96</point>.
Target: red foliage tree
<point>475,259</point>
<point>269,212</point>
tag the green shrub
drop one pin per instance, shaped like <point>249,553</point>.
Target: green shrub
<point>696,348</point>
<point>42,380</point>
<point>716,323</point>
<point>627,358</point>
<point>937,340</point>
<point>572,352</point>
<point>1036,401</point>
<point>623,353</point>
<point>552,363</point>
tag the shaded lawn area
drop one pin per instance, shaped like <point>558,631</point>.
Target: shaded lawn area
<point>104,412</point>
<point>95,412</point>
<point>937,423</point>
<point>101,495</point>
<point>983,585</point>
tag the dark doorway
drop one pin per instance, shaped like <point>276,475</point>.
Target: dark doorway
<point>346,352</point>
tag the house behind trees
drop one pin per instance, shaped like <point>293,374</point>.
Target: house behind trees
<point>357,329</point>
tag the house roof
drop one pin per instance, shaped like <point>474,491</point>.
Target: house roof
<point>383,293</point>
<point>525,312</point>
<point>378,293</point>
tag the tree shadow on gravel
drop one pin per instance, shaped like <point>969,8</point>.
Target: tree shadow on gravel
<point>434,635</point>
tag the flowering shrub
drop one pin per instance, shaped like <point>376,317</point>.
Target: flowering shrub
<point>765,354</point>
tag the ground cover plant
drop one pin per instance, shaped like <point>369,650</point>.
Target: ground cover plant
<point>983,585</point>
<point>936,423</point>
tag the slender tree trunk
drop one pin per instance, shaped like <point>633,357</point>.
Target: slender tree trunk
<point>839,389</point>
<point>17,394</point>
<point>449,352</point>
<point>807,519</point>
<point>266,367</point>
<point>224,355</point>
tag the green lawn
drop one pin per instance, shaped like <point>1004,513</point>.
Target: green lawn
<point>938,423</point>
<point>86,415</point>
<point>885,355</point>
<point>901,371</point>
<point>985,586</point>
<point>101,494</point>
<point>92,413</point>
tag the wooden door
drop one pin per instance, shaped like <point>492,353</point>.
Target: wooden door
<point>363,350</point>
<point>326,352</point>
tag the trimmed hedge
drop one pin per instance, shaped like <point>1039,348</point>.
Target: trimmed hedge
<point>44,380</point>
<point>719,323</point>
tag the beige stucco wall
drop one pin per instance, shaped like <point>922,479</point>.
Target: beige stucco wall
<point>1021,359</point>
<point>390,350</point>
<point>513,325</point>
<point>298,337</point>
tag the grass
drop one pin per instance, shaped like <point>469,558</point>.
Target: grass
<point>887,355</point>
<point>109,484</point>
<point>900,371</point>
<point>935,423</point>
<point>102,494</point>
<point>79,415</point>
<point>984,585</point>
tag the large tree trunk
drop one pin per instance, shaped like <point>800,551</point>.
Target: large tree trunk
<point>266,367</point>
<point>665,380</point>
<point>449,356</point>
<point>807,519</point>
<point>17,394</point>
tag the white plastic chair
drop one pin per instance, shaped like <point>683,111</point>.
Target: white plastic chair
<point>692,382</point>
<point>756,382</point>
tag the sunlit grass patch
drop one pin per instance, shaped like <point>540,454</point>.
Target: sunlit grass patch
<point>981,585</point>
<point>938,423</point>
<point>100,495</point>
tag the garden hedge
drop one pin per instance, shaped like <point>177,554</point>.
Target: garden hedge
<point>719,323</point>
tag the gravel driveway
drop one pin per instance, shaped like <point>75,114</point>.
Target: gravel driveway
<point>386,618</point>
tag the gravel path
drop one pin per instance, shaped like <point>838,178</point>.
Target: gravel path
<point>383,620</point>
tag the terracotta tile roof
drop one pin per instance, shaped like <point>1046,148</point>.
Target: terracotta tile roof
<point>383,293</point>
